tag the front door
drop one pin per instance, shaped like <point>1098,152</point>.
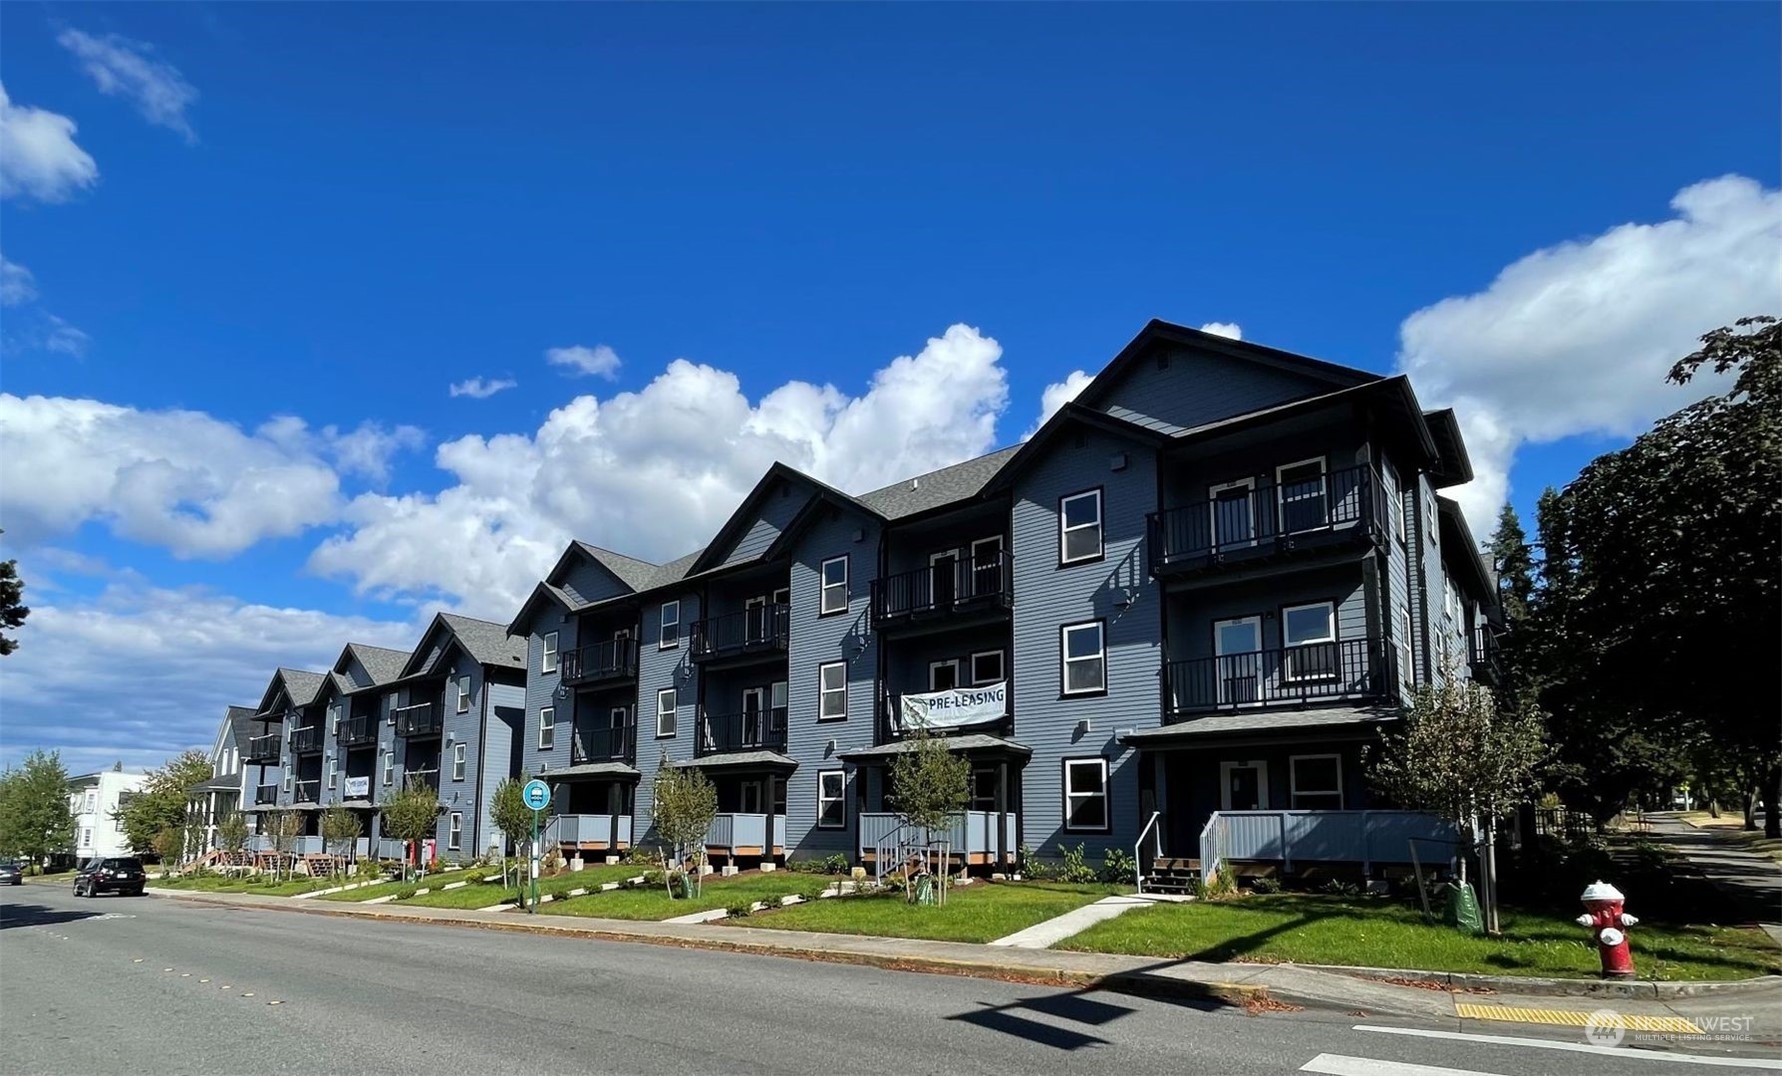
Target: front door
<point>1234,514</point>
<point>754,702</point>
<point>755,620</point>
<point>1245,786</point>
<point>1237,665</point>
<point>751,797</point>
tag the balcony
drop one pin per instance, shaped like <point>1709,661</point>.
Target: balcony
<point>306,791</point>
<point>265,795</point>
<point>1354,669</point>
<point>1484,657</point>
<point>752,730</point>
<point>603,743</point>
<point>1323,837</point>
<point>419,720</point>
<point>615,659</point>
<point>358,731</point>
<point>946,592</point>
<point>758,631</point>
<point>592,832</point>
<point>307,741</point>
<point>972,837</point>
<point>1254,523</point>
<point>262,750</point>
<point>733,834</point>
<point>428,779</point>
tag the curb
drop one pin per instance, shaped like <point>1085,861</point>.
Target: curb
<point>1603,988</point>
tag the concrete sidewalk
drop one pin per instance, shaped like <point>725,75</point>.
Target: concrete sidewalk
<point>1751,879</point>
<point>1354,990</point>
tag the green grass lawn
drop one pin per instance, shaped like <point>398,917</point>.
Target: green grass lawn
<point>1388,933</point>
<point>218,883</point>
<point>484,894</point>
<point>653,903</point>
<point>980,912</point>
<point>387,889</point>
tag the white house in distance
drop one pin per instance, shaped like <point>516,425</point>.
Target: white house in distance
<point>94,799</point>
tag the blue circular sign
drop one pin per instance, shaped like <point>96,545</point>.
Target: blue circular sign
<point>537,794</point>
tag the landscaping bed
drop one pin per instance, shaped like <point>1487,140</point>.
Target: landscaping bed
<point>391,888</point>
<point>1304,929</point>
<point>980,912</point>
<point>651,902</point>
<point>225,883</point>
<point>481,894</point>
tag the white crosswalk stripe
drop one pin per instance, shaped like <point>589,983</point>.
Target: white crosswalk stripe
<point>1343,1065</point>
<point>1667,1057</point>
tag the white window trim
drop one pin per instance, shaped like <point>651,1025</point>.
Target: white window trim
<point>979,558</point>
<point>665,640</point>
<point>288,780</point>
<point>945,663</point>
<point>547,661</point>
<point>333,773</point>
<point>454,831</point>
<point>1002,662</point>
<point>547,728</point>
<point>459,762</point>
<point>1254,621</point>
<point>1406,649</point>
<point>1293,781</point>
<point>673,713</point>
<point>1261,768</point>
<point>464,694</point>
<point>841,799</point>
<point>389,768</point>
<point>824,693</point>
<point>1065,660</point>
<point>824,586</point>
<point>1105,795</point>
<point>1287,662</point>
<point>1281,492</point>
<point>1064,529</point>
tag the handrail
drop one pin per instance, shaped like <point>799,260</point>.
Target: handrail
<point>758,627</point>
<point>1138,863</point>
<point>964,582</point>
<point>1210,860</point>
<point>1348,668</point>
<point>418,719</point>
<point>600,661</point>
<point>1266,515</point>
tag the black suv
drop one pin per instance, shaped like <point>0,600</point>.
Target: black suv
<point>118,874</point>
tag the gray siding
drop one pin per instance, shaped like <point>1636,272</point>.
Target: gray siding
<point>541,691</point>
<point>506,722</point>
<point>587,582</point>
<point>1191,615</point>
<point>1048,596</point>
<point>460,728</point>
<point>775,511</point>
<point>657,669</point>
<point>1199,387</point>
<point>1398,582</point>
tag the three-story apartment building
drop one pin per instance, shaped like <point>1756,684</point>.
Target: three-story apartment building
<point>360,737</point>
<point>285,750</point>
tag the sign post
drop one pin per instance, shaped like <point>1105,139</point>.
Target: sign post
<point>537,795</point>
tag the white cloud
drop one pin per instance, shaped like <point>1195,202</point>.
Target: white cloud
<point>1576,338</point>
<point>656,471</point>
<point>38,156</point>
<point>124,68</point>
<point>63,338</point>
<point>139,673</point>
<point>17,285</point>
<point>1057,394</point>
<point>178,479</point>
<point>478,389</point>
<point>1230,329</point>
<point>599,360</point>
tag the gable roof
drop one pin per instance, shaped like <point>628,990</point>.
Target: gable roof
<point>938,489</point>
<point>381,662</point>
<point>735,526</point>
<point>634,573</point>
<point>1460,550</point>
<point>486,642</point>
<point>239,720</point>
<point>300,687</point>
<point>542,592</point>
<point>1453,467</point>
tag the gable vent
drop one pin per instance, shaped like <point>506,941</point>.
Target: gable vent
<point>915,482</point>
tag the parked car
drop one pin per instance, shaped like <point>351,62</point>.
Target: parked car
<point>115,874</point>
<point>11,873</point>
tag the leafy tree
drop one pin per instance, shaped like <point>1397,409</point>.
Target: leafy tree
<point>232,831</point>
<point>684,804</point>
<point>162,804</point>
<point>35,818</point>
<point>931,784</point>
<point>13,611</point>
<point>508,810</point>
<point>282,828</point>
<point>412,816</point>
<point>341,828</point>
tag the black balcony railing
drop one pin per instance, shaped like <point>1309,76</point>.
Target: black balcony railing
<point>751,730</point>
<point>1264,519</point>
<point>307,741</point>
<point>358,731</point>
<point>420,719</point>
<point>262,749</point>
<point>1484,656</point>
<point>603,743</point>
<point>265,795</point>
<point>757,629</point>
<point>1352,669</point>
<point>615,659</point>
<point>306,791</point>
<point>953,585</point>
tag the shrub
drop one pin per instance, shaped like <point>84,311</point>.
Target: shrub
<point>1341,887</point>
<point>1118,867</point>
<point>1075,870</point>
<point>739,910</point>
<point>838,863</point>
<point>1266,884</point>
<point>369,868</point>
<point>406,892</point>
<point>1035,868</point>
<point>813,892</point>
<point>651,879</point>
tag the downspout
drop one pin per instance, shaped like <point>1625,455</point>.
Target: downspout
<point>482,765</point>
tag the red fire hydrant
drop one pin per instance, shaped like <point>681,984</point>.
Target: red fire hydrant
<point>1603,914</point>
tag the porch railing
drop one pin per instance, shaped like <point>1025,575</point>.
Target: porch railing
<point>1484,655</point>
<point>1349,669</point>
<point>614,659</point>
<point>731,831</point>
<point>987,833</point>
<point>603,743</point>
<point>427,778</point>
<point>358,731</point>
<point>1284,837</point>
<point>307,741</point>
<point>752,730</point>
<point>262,749</point>
<point>418,719</point>
<point>305,791</point>
<point>265,794</point>
<point>949,586</point>
<point>611,830</point>
<point>757,629</point>
<point>1265,517</point>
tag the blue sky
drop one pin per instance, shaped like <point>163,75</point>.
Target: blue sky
<point>328,215</point>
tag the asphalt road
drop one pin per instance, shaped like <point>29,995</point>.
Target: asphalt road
<point>152,985</point>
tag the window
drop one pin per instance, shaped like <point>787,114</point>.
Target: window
<point>943,675</point>
<point>1079,527</point>
<point>548,663</point>
<point>287,780</point>
<point>86,837</point>
<point>1085,662</point>
<point>1429,508</point>
<point>1309,634</point>
<point>92,802</point>
<point>835,586</point>
<point>458,762</point>
<point>1408,672</point>
<point>547,728</point>
<point>334,720</point>
<point>1086,794</point>
<point>389,768</point>
<point>832,805</point>
<point>455,831</point>
<point>464,695</point>
<point>1233,519</point>
<point>1300,487</point>
<point>1317,782</point>
<point>333,773</point>
<point>987,667</point>
<point>832,691</point>
<point>666,714</point>
<point>670,635</point>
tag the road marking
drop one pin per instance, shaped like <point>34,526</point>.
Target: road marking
<point>1340,1065</point>
<point>248,995</point>
<point>1622,1052</point>
<point>1674,1025</point>
<point>204,980</point>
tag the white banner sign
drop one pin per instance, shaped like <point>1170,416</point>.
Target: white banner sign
<point>954,709</point>
<point>358,788</point>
